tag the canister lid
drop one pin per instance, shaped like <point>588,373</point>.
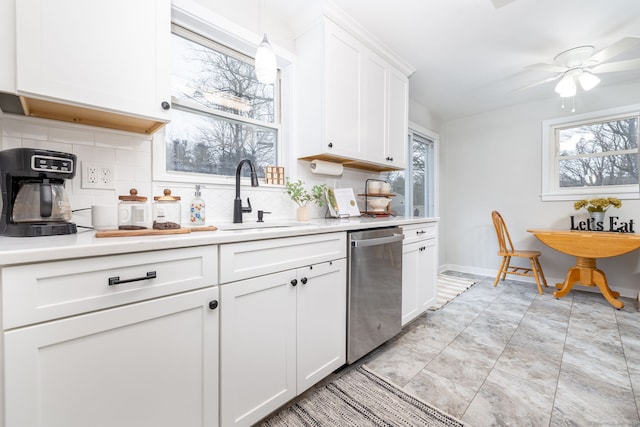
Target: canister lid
<point>167,197</point>
<point>133,197</point>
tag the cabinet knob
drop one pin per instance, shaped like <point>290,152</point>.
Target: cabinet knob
<point>165,105</point>
<point>330,145</point>
<point>390,159</point>
<point>213,304</point>
<point>294,282</point>
<point>304,280</point>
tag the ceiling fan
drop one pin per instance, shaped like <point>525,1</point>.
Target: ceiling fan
<point>579,65</point>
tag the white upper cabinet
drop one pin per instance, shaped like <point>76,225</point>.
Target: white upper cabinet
<point>353,102</point>
<point>103,59</point>
<point>397,120</point>
<point>342,93</point>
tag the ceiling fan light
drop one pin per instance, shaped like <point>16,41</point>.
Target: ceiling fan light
<point>588,81</point>
<point>265,65</point>
<point>566,87</point>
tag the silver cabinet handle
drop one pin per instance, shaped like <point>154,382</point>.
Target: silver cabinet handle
<point>377,241</point>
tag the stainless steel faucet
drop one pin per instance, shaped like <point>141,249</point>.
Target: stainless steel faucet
<point>238,209</point>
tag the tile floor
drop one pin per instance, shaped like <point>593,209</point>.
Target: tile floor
<point>509,356</point>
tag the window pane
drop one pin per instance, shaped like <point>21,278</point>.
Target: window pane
<point>214,145</point>
<point>216,80</point>
<point>603,137</point>
<point>599,154</point>
<point>398,203</point>
<point>599,171</point>
<point>419,154</point>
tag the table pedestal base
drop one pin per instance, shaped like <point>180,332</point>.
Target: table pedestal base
<point>585,273</point>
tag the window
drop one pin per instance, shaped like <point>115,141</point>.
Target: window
<point>594,154</point>
<point>221,113</point>
<point>416,196</point>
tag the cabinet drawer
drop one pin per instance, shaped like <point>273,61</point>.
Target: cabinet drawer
<point>251,259</point>
<point>39,292</point>
<point>418,232</point>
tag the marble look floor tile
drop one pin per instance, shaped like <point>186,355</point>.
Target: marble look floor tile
<point>465,362</point>
<point>583,400</point>
<point>505,400</point>
<point>402,358</point>
<point>532,362</point>
<point>605,363</point>
<point>443,393</point>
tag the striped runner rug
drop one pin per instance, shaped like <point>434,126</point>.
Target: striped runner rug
<point>359,398</point>
<point>449,287</point>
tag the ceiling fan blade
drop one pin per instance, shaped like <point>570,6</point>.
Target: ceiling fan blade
<point>548,67</point>
<point>538,83</point>
<point>615,49</point>
<point>609,67</point>
<point>499,3</point>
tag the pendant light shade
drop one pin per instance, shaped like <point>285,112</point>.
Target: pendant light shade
<point>588,81</point>
<point>566,87</point>
<point>266,67</point>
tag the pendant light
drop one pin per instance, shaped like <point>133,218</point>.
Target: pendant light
<point>265,64</point>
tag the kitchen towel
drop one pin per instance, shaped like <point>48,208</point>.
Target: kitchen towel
<point>325,168</point>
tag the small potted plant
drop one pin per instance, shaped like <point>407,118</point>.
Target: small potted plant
<point>597,207</point>
<point>302,197</point>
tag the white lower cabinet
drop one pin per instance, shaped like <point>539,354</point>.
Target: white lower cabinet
<point>122,340</point>
<point>148,364</point>
<point>280,334</point>
<point>419,270</point>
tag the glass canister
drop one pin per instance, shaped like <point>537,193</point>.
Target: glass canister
<point>133,213</point>
<point>166,211</point>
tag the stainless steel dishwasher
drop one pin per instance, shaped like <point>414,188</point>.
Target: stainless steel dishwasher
<point>374,310</point>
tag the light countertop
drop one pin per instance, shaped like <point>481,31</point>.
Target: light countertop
<point>25,250</point>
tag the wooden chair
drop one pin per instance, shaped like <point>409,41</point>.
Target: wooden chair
<point>506,251</point>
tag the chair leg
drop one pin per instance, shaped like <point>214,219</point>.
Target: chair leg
<point>500,270</point>
<point>506,267</point>
<point>544,280</point>
<point>534,269</point>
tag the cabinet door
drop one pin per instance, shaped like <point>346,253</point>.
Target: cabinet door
<point>257,347</point>
<point>113,55</point>
<point>410,281</point>
<point>342,93</point>
<point>398,119</point>
<point>427,274</point>
<point>374,106</point>
<point>153,363</point>
<point>321,321</point>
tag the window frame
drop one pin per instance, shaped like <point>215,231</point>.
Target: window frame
<point>551,190</point>
<point>431,180</point>
<point>209,26</point>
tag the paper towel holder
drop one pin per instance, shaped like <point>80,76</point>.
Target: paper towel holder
<point>326,168</point>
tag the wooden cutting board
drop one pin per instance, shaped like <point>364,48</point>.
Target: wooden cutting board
<point>151,231</point>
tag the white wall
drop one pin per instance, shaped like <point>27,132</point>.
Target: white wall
<point>492,161</point>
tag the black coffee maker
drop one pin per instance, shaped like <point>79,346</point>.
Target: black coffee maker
<point>34,201</point>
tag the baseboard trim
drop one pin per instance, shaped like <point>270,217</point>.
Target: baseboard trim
<point>551,281</point>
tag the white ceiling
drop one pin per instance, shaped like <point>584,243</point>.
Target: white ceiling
<point>471,56</point>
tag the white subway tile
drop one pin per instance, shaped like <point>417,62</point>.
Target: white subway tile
<point>71,136</point>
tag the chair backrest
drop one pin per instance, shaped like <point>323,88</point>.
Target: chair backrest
<point>501,232</point>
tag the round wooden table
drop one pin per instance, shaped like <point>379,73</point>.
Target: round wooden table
<point>587,246</point>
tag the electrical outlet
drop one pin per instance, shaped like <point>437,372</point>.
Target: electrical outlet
<point>98,175</point>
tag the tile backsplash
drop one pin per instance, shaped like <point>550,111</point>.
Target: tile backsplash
<point>132,156</point>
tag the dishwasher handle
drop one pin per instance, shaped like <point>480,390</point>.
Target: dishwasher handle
<point>377,241</point>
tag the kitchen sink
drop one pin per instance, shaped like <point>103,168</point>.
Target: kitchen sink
<point>260,225</point>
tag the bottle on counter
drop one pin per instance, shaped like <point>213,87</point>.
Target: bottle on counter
<point>197,209</point>
<point>133,213</point>
<point>166,211</point>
